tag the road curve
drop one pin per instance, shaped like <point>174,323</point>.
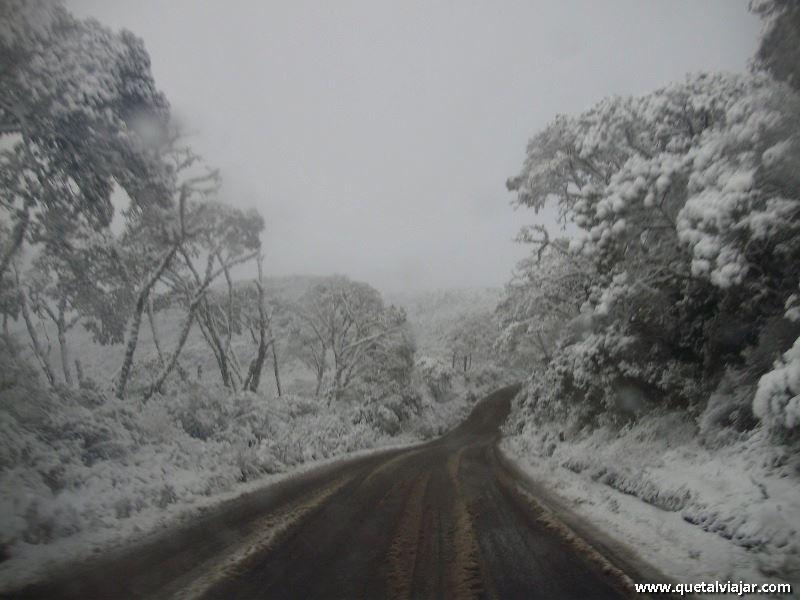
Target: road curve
<point>442,520</point>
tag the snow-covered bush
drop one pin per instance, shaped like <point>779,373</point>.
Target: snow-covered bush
<point>729,409</point>
<point>777,400</point>
<point>21,391</point>
<point>436,376</point>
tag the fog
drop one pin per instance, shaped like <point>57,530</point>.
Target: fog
<point>376,137</point>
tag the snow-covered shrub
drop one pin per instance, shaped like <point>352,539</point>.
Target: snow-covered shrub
<point>298,405</point>
<point>254,457</point>
<point>777,399</point>
<point>485,377</point>
<point>200,410</point>
<point>639,485</point>
<point>734,490</point>
<point>436,376</point>
<point>729,408</point>
<point>22,392</point>
<point>604,373</point>
<point>391,414</point>
<point>384,419</point>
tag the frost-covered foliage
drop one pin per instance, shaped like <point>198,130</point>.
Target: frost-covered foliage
<point>686,206</point>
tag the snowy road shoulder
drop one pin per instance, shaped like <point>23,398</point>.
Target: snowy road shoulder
<point>652,536</point>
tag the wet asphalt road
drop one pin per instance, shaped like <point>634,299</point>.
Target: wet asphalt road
<point>442,520</point>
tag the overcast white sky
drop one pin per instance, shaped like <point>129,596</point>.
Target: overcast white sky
<point>376,137</point>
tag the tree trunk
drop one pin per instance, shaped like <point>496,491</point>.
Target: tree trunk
<point>174,358</point>
<point>543,347</point>
<point>253,378</point>
<point>41,355</point>
<point>79,373</point>
<point>157,341</point>
<point>153,331</point>
<point>320,376</point>
<point>257,364</point>
<point>17,236</point>
<point>231,361</point>
<point>62,345</point>
<point>199,296</point>
<point>214,341</point>
<point>337,391</point>
<point>7,337</point>
<point>235,369</point>
<point>229,319</point>
<point>275,367</point>
<point>133,335</point>
<point>130,348</point>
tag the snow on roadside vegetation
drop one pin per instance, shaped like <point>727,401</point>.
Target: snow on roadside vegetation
<point>81,470</point>
<point>661,339</point>
<point>699,510</point>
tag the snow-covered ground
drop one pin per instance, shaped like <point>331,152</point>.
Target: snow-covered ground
<point>89,480</point>
<point>698,513</point>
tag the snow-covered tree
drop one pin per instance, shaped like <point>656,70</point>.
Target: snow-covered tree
<point>224,237</point>
<point>267,320</point>
<point>779,48</point>
<point>148,248</point>
<point>344,324</point>
<point>221,237</point>
<point>547,292</point>
<point>686,208</point>
<point>80,115</point>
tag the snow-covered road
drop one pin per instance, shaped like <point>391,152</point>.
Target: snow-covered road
<point>441,520</point>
